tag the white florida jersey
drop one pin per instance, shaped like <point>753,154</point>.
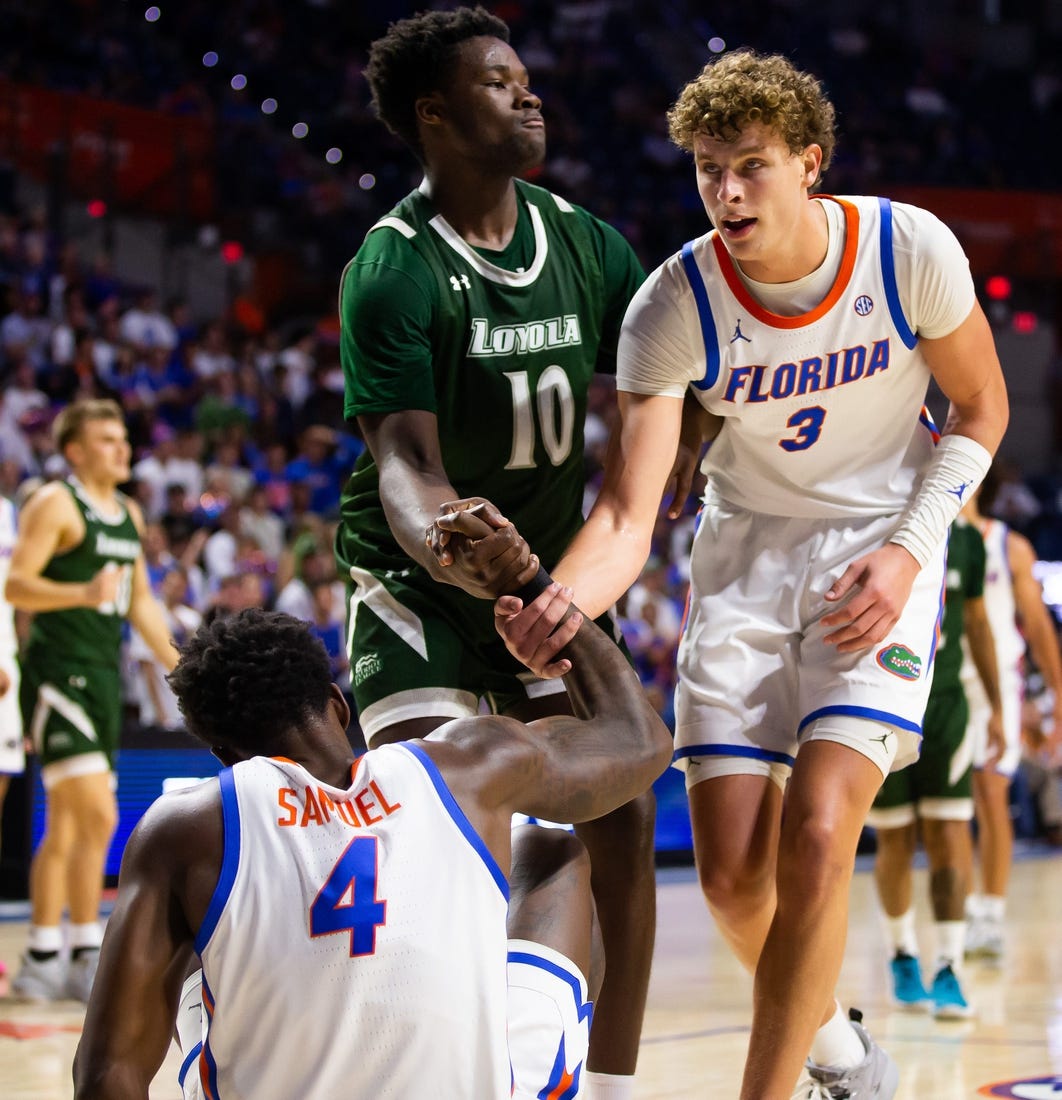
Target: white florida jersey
<point>355,945</point>
<point>8,534</point>
<point>999,606</point>
<point>823,411</point>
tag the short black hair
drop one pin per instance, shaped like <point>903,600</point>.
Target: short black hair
<point>414,59</point>
<point>248,679</point>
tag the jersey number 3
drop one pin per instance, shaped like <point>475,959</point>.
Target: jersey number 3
<point>808,423</point>
<point>347,902</point>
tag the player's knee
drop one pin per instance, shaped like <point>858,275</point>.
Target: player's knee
<point>735,887</point>
<point>544,856</point>
<point>97,820</point>
<point>814,857</point>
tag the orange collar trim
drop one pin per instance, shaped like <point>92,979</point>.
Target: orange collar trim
<point>840,284</point>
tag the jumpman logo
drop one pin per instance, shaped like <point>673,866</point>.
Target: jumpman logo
<point>960,490</point>
<point>738,334</point>
<point>884,738</point>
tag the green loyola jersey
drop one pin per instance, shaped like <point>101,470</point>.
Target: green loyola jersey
<point>86,635</point>
<point>500,346</point>
<point>965,581</point>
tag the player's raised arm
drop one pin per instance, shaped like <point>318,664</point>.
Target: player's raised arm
<point>566,768</point>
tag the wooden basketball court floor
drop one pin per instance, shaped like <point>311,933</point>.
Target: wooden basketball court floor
<point>696,1028</point>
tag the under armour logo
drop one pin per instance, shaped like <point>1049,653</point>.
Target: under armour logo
<point>959,490</point>
<point>738,334</point>
<point>457,282</point>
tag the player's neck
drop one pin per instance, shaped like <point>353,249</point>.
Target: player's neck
<point>325,758</point>
<point>482,210</point>
<point>102,493</point>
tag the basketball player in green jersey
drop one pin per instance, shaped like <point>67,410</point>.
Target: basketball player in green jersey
<point>473,319</point>
<point>936,791</point>
<point>78,565</point>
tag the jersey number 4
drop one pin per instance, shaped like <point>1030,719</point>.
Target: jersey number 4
<point>347,902</point>
<point>556,417</point>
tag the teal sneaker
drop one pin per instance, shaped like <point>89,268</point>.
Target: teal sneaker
<point>948,1000</point>
<point>907,988</point>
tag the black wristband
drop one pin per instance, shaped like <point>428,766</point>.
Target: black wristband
<point>534,587</point>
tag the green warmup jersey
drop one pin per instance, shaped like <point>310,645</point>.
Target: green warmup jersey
<point>85,635</point>
<point>500,346</point>
<point>965,580</point>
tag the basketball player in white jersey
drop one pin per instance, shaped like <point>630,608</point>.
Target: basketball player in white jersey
<point>12,751</point>
<point>807,329</point>
<point>350,915</point>
<point>1012,595</point>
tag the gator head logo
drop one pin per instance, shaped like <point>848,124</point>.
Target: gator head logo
<point>900,661</point>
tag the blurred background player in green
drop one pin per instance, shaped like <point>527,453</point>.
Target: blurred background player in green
<point>79,566</point>
<point>935,792</point>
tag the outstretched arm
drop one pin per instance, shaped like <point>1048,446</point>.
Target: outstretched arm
<point>416,491</point>
<point>562,768</point>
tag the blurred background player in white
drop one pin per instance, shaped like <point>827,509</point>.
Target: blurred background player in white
<point>1013,598</point>
<point>12,750</point>
<point>935,793</point>
<point>381,882</point>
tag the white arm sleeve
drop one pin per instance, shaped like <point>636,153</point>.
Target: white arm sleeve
<point>932,272</point>
<point>661,349</point>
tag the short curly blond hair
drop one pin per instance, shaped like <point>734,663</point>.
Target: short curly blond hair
<point>745,86</point>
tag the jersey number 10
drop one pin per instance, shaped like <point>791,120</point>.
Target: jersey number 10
<point>556,417</point>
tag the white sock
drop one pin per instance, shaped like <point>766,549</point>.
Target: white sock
<point>86,935</point>
<point>993,907</point>
<point>45,937</point>
<point>608,1086</point>
<point>951,943</point>
<point>901,932</point>
<point>974,907</point>
<point>836,1043</point>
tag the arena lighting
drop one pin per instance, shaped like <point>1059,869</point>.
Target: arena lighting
<point>152,14</point>
<point>716,44</point>
<point>998,287</point>
<point>367,181</point>
<point>96,208</point>
<point>334,155</point>
<point>269,106</point>
<point>238,82</point>
<point>1024,322</point>
<point>300,130</point>
<point>210,58</point>
<point>231,252</point>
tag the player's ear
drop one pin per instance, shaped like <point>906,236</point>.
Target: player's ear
<point>812,158</point>
<point>430,110</point>
<point>340,707</point>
